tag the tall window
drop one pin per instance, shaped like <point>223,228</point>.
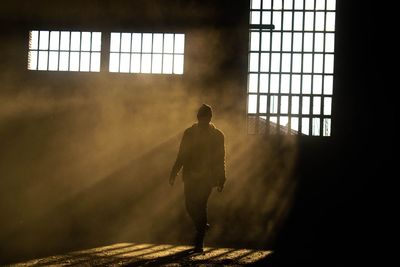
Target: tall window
<point>161,53</point>
<point>64,51</point>
<point>291,66</point>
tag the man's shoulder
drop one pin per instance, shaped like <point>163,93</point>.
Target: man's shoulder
<point>219,133</point>
<point>190,129</point>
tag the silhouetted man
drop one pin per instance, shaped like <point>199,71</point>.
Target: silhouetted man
<point>202,156</point>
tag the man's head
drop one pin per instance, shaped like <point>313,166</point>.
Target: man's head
<point>204,114</point>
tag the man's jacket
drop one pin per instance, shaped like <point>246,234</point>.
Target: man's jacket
<point>202,155</point>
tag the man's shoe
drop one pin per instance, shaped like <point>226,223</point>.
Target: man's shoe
<point>198,249</point>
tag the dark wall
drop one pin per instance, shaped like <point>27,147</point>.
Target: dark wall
<point>85,157</point>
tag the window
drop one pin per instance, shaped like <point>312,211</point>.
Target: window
<point>64,51</point>
<point>161,53</point>
<point>291,66</point>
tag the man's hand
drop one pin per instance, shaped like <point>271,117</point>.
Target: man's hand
<point>172,179</point>
<point>220,188</point>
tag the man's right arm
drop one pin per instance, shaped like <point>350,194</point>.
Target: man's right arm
<point>179,159</point>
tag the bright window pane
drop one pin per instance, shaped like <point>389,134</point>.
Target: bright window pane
<point>264,66</point>
<point>263,104</point>
<point>265,41</point>
<point>147,42</point>
<point>327,127</point>
<point>255,4</point>
<point>254,41</point>
<point>167,64</point>
<point>315,126</point>
<point>75,42</point>
<point>264,83</point>
<point>298,21</point>
<point>309,21</point>
<point>64,43</point>
<point>328,63</point>
<point>330,21</point>
<point>305,126</point>
<point>168,43</point>
<point>53,60</point>
<point>305,105</point>
<point>276,41</point>
<point>275,62</point>
<point>86,41</point>
<point>329,42</point>
<point>287,21</point>
<point>33,40</point>
<point>254,17</point>
<point>178,64</point>
<point>253,62</point>
<point>296,66</point>
<point>64,61</point>
<point>43,57</point>
<point>253,83</point>
<point>274,83</point>
<point>124,62</point>
<point>328,84</point>
<point>157,43</point>
<point>85,61</point>
<point>95,62</point>
<point>32,60</point>
<point>319,42</point>
<point>273,104</point>
<point>308,42</point>
<point>125,42</point>
<point>307,63</point>
<point>327,105</point>
<point>316,105</point>
<point>115,42</point>
<point>276,19</point>
<point>318,63</point>
<point>287,41</point>
<point>317,84</point>
<point>297,42</point>
<point>295,105</point>
<point>179,43</point>
<point>96,41</point>
<point>319,21</point>
<point>306,89</point>
<point>54,40</point>
<point>252,104</point>
<point>157,63</point>
<point>296,82</point>
<point>74,61</point>
<point>135,63</point>
<point>284,104</point>
<point>114,62</point>
<point>146,63</point>
<point>285,83</point>
<point>43,40</point>
<point>331,5</point>
<point>136,42</point>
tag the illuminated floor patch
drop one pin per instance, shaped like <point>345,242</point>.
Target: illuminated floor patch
<point>123,254</point>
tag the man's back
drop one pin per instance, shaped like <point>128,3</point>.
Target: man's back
<point>203,154</point>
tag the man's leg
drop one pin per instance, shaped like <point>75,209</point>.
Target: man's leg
<point>196,198</point>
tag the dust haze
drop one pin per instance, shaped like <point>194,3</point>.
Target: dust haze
<point>86,157</point>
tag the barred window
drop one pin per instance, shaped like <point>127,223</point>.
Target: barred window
<point>161,53</point>
<point>291,66</point>
<point>64,51</point>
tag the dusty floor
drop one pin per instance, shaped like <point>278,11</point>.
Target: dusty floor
<point>131,254</point>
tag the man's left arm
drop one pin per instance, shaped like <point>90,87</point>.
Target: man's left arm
<point>221,161</point>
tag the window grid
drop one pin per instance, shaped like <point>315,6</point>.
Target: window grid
<point>312,81</point>
<point>43,49</point>
<point>168,58</point>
